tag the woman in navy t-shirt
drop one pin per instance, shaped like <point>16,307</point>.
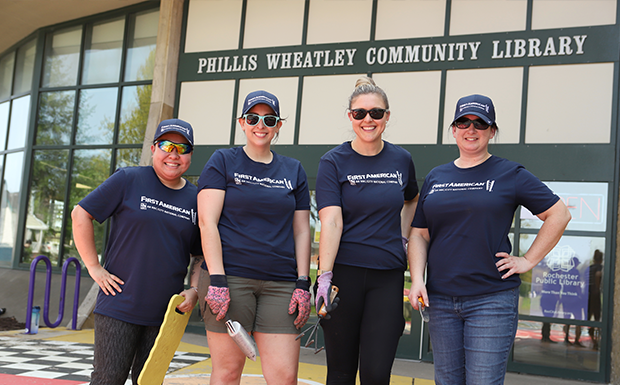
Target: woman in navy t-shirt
<point>153,233</point>
<point>254,210</point>
<point>460,237</point>
<point>366,195</point>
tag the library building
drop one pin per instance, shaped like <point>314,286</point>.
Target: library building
<point>83,86</point>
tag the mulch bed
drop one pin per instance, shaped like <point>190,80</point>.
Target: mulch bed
<point>10,323</point>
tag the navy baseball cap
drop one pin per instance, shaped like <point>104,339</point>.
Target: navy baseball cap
<point>175,125</point>
<point>478,105</point>
<point>261,97</point>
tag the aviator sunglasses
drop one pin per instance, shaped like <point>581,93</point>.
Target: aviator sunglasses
<point>168,146</point>
<point>268,120</point>
<point>464,123</point>
<point>375,113</point>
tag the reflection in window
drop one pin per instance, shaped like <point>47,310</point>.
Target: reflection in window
<point>90,169</point>
<point>96,116</point>
<point>19,122</point>
<point>193,179</point>
<point>141,49</point>
<point>6,74</point>
<point>135,106</point>
<point>9,205</point>
<point>102,60</point>
<point>558,345</point>
<point>24,68</point>
<point>46,205</point>
<point>128,157</point>
<point>62,56</point>
<point>586,201</point>
<point>559,285</point>
<point>55,118</point>
<point>4,123</point>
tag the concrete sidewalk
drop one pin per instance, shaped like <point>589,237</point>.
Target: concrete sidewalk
<point>312,369</point>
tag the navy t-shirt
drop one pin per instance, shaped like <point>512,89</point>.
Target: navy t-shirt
<point>256,224</point>
<point>154,229</point>
<point>468,213</point>
<point>371,191</point>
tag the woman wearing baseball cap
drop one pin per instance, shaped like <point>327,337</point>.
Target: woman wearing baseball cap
<point>254,210</point>
<point>459,236</point>
<point>154,232</point>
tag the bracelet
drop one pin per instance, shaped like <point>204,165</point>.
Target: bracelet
<point>303,278</point>
<point>195,289</point>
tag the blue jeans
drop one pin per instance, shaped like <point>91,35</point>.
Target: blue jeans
<point>472,336</point>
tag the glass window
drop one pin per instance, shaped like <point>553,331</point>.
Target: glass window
<point>557,345</point>
<point>90,169</point>
<point>128,157</point>
<point>96,116</point>
<point>559,286</point>
<point>102,60</point>
<point>586,201</point>
<point>141,47</point>
<point>6,75</point>
<point>62,56</point>
<point>9,205</point>
<point>24,68</point>
<point>19,122</point>
<point>135,105</point>
<point>4,123</point>
<point>46,205</point>
<point>55,118</point>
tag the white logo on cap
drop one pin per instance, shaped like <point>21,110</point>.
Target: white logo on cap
<point>175,127</point>
<point>474,105</point>
<point>261,97</point>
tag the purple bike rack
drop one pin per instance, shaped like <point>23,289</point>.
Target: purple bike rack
<point>48,282</point>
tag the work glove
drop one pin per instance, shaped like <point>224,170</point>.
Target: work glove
<point>322,289</point>
<point>301,301</point>
<point>218,296</point>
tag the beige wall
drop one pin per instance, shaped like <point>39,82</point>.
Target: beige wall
<point>556,94</point>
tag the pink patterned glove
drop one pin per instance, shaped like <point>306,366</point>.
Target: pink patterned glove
<point>301,301</point>
<point>322,292</point>
<point>218,296</point>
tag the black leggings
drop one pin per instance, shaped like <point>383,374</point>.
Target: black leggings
<point>120,346</point>
<point>366,326</point>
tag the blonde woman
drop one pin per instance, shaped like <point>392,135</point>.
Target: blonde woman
<point>366,196</point>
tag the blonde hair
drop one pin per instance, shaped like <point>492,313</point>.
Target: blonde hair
<point>366,85</point>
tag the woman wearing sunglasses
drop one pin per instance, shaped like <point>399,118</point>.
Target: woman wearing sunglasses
<point>459,236</point>
<point>366,196</point>
<point>153,233</point>
<point>254,208</point>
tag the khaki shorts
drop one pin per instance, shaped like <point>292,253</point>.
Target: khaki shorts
<point>260,306</point>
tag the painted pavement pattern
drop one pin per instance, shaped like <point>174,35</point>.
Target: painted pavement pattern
<point>62,360</point>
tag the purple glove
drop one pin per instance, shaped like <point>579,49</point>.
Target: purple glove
<point>301,301</point>
<point>218,296</point>
<point>322,292</point>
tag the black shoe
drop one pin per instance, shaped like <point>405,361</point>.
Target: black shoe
<point>2,310</point>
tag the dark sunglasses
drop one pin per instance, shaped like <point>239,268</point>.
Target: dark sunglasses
<point>268,120</point>
<point>168,146</point>
<point>375,113</point>
<point>464,123</point>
